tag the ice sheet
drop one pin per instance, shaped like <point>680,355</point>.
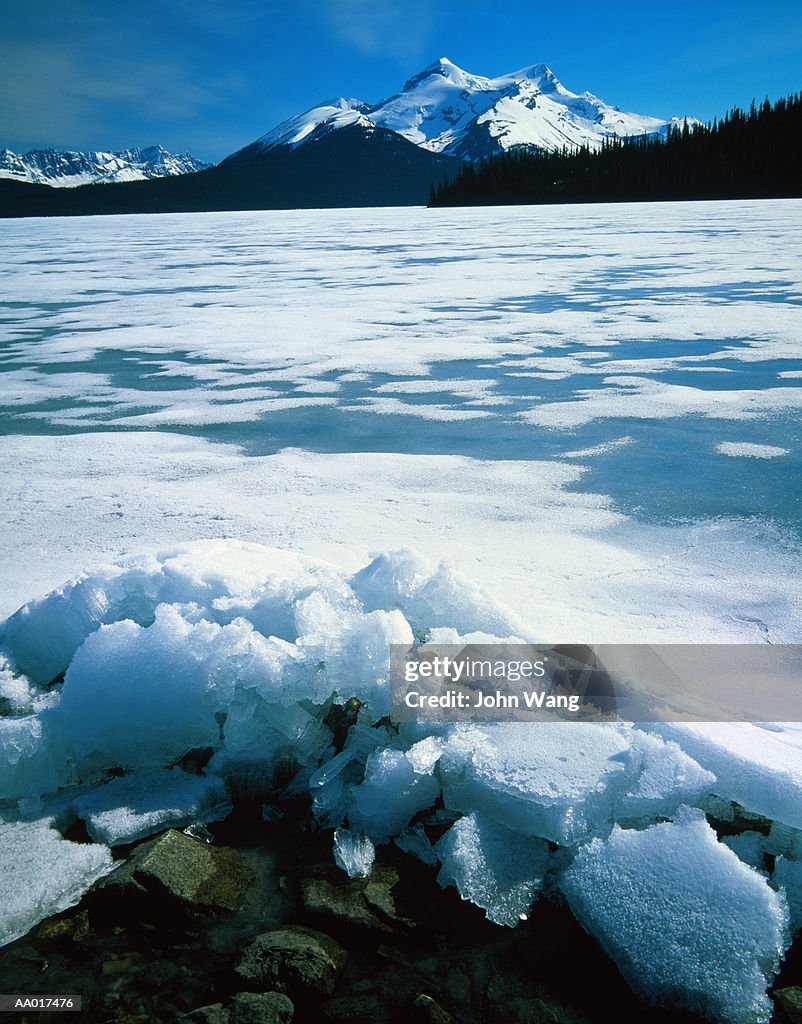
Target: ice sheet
<point>395,342</point>
<point>132,807</point>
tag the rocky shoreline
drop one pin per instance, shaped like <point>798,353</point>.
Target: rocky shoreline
<point>252,923</point>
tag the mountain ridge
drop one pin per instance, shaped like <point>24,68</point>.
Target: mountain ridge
<point>453,112</point>
<point>72,168</point>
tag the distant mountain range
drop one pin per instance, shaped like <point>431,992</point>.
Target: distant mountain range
<point>69,169</point>
<point>340,153</point>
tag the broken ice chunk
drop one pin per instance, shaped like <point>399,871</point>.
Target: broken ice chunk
<point>352,653</point>
<point>42,874</point>
<point>353,853</point>
<point>689,925</point>
<point>750,847</point>
<point>139,805</point>
<point>431,595</point>
<point>391,795</point>
<point>782,839</point>
<point>559,781</point>
<point>669,777</point>
<point>425,754</point>
<point>270,734</point>
<point>758,768</point>
<point>17,695</point>
<point>499,870</point>
<point>27,766</point>
<point>788,878</point>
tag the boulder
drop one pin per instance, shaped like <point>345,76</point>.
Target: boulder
<point>261,1008</point>
<point>296,961</point>
<point>187,873</point>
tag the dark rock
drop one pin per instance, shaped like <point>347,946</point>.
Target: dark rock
<point>519,1010</point>
<point>426,1010</point>
<point>379,896</point>
<point>213,1014</point>
<point>339,903</point>
<point>261,1008</point>
<point>72,927</point>
<point>357,1009</point>
<point>789,1001</point>
<point>296,961</point>
<point>190,874</point>
<point>366,903</point>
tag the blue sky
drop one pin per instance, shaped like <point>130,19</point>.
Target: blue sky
<point>209,77</point>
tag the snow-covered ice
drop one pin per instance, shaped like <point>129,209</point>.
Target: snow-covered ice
<point>42,873</point>
<point>281,376</point>
<point>586,423</point>
<point>687,922</point>
<point>560,786</point>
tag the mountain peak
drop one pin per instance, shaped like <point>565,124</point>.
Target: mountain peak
<point>443,68</point>
<point>541,74</point>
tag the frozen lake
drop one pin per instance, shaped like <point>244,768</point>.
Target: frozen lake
<point>592,411</point>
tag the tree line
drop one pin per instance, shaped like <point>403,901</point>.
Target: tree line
<point>754,154</point>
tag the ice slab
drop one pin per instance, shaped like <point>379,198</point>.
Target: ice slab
<point>135,806</point>
<point>29,763</point>
<point>689,925</point>
<point>755,766</point>
<point>415,842</point>
<point>392,793</point>
<point>559,781</point>
<point>750,847</point>
<point>669,777</point>
<point>784,840</point>
<point>42,874</point>
<point>499,870</point>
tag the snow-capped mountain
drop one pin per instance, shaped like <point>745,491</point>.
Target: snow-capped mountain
<point>447,110</point>
<point>68,169</point>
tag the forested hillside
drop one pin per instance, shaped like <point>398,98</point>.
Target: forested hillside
<point>746,154</point>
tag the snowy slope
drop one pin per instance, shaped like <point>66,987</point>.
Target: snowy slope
<point>447,110</point>
<point>68,169</point>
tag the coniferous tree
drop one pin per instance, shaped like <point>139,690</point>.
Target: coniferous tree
<point>743,155</point>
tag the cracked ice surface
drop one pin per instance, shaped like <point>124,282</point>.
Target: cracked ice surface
<point>491,386</point>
